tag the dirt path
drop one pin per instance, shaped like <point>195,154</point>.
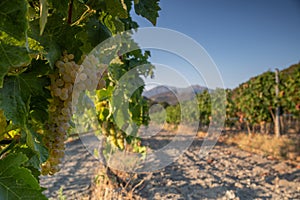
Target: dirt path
<point>227,173</point>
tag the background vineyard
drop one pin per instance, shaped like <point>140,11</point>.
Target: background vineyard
<point>251,106</point>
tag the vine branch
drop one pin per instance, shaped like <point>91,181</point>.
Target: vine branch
<point>86,14</point>
<point>5,141</point>
<point>70,9</point>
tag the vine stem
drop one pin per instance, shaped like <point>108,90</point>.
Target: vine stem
<point>70,12</point>
<point>86,13</point>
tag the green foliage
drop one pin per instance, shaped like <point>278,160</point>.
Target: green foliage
<point>59,6</point>
<point>148,9</point>
<point>17,92</point>
<point>58,36</point>
<point>290,90</point>
<point>204,103</point>
<point>17,182</point>
<point>231,109</point>
<point>33,36</point>
<point>173,114</point>
<point>13,18</point>
<point>117,104</point>
<point>11,57</point>
<point>256,98</point>
<point>94,32</point>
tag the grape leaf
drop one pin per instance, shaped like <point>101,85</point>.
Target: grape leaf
<point>57,36</point>
<point>128,22</point>
<point>13,18</point>
<point>34,159</point>
<point>148,9</point>
<point>47,40</point>
<point>34,141</point>
<point>17,182</point>
<point>11,102</point>
<point>94,32</point>
<point>11,56</point>
<point>39,107</point>
<point>95,4</point>
<point>17,92</point>
<point>117,8</point>
<point>61,6</point>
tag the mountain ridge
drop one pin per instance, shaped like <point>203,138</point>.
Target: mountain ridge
<point>172,95</point>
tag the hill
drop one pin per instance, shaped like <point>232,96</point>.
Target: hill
<point>172,95</point>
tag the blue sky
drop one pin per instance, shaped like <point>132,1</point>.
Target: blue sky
<point>244,38</point>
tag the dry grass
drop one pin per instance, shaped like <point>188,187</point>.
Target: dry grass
<point>119,180</point>
<point>284,147</point>
<point>113,185</point>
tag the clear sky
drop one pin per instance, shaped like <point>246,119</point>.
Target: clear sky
<point>243,37</point>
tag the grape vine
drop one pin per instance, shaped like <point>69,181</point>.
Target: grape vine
<point>42,46</point>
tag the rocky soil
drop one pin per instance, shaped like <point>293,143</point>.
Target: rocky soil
<point>227,173</point>
<point>74,179</point>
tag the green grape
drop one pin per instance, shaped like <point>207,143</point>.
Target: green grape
<point>68,104</point>
<point>59,82</point>
<point>70,56</point>
<point>67,78</point>
<point>46,167</point>
<point>114,140</point>
<point>66,126</point>
<point>69,86</point>
<point>82,76</point>
<point>62,83</point>
<point>68,67</point>
<point>120,143</point>
<point>81,86</point>
<point>57,92</point>
<point>94,60</point>
<point>60,129</point>
<point>64,91</point>
<point>89,85</point>
<point>93,77</point>
<point>65,111</point>
<point>62,70</point>
<point>73,74</point>
<point>112,131</point>
<point>119,134</point>
<point>65,59</point>
<point>52,108</point>
<point>59,64</point>
<point>64,96</point>
<point>75,66</point>
<point>54,169</point>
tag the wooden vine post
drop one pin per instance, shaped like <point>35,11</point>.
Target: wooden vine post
<point>277,114</point>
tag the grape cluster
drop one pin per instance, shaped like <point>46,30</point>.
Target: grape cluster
<point>116,136</point>
<point>88,76</point>
<point>60,111</point>
<point>68,81</point>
